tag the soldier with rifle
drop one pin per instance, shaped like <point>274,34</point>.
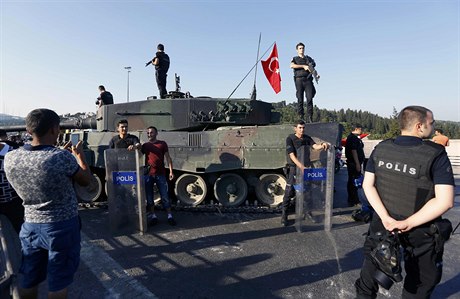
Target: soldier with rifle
<point>161,63</point>
<point>304,72</point>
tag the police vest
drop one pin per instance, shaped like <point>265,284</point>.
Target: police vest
<point>402,176</point>
<point>300,72</point>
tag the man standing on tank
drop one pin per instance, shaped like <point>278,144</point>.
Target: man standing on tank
<point>409,182</point>
<point>43,176</point>
<point>303,80</point>
<point>124,139</point>
<point>155,152</point>
<point>161,63</point>
<point>105,97</point>
<point>293,143</point>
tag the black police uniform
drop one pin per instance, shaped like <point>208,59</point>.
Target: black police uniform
<point>406,171</point>
<point>353,143</point>
<point>161,70</point>
<point>106,98</point>
<point>117,142</point>
<point>304,84</point>
<point>293,143</point>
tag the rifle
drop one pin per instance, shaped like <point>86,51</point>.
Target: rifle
<point>313,72</point>
<point>148,63</point>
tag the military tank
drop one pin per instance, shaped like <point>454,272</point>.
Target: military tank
<point>222,149</point>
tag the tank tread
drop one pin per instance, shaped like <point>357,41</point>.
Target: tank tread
<point>207,208</point>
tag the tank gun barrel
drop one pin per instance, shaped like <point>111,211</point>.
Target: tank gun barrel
<point>76,123</point>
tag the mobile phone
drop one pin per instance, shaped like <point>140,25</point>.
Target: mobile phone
<point>74,138</point>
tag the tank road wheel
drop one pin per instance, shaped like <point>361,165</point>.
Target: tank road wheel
<point>91,192</point>
<point>270,189</point>
<point>230,190</point>
<point>190,189</point>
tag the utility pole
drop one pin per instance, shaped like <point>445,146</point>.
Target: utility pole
<point>128,68</point>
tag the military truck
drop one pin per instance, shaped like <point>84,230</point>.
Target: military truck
<point>222,149</point>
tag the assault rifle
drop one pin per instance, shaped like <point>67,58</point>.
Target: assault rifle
<point>313,72</point>
<point>149,63</point>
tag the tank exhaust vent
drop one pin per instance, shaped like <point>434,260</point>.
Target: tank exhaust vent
<point>194,139</point>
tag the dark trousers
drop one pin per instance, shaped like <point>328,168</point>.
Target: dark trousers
<point>161,83</point>
<point>289,191</point>
<point>305,86</point>
<point>352,190</point>
<point>422,262</point>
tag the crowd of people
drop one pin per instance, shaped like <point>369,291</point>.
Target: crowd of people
<point>408,185</point>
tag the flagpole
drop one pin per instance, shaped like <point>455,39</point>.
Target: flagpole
<point>255,65</point>
<point>254,90</point>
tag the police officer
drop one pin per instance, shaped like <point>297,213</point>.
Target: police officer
<point>293,143</point>
<point>409,183</point>
<point>303,81</point>
<point>161,63</point>
<point>105,98</point>
<point>354,152</point>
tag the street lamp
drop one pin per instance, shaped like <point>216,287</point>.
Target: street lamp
<point>128,68</point>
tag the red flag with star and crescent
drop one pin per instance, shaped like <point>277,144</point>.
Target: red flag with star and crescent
<point>271,68</point>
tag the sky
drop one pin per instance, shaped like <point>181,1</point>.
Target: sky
<point>371,55</point>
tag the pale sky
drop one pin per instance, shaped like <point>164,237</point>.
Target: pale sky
<point>371,55</point>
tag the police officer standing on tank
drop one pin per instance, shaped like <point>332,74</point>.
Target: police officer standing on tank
<point>303,81</point>
<point>409,183</point>
<point>161,63</point>
<point>293,143</point>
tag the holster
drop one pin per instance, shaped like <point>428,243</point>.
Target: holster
<point>441,229</point>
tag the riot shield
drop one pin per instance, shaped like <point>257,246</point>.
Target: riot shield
<point>125,191</point>
<point>314,189</point>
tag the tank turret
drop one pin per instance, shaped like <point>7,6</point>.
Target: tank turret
<point>187,114</point>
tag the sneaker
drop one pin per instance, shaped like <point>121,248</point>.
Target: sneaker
<point>152,221</point>
<point>171,221</point>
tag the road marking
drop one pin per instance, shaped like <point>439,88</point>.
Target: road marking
<point>113,277</point>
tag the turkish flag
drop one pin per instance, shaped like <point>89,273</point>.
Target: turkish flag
<point>271,68</point>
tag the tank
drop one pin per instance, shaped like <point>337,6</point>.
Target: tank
<point>226,151</point>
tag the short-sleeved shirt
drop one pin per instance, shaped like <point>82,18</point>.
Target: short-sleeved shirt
<point>163,62</point>
<point>354,143</point>
<point>155,156</point>
<point>117,142</point>
<point>441,169</point>
<point>300,72</point>
<point>293,143</point>
<point>107,98</point>
<point>441,139</point>
<point>42,177</point>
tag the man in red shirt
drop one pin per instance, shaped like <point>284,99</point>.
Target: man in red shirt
<point>155,153</point>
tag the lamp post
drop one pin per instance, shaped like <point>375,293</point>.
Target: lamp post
<point>128,68</point>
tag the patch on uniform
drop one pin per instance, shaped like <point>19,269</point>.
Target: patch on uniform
<point>401,168</point>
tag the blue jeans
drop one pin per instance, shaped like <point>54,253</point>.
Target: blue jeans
<point>162,185</point>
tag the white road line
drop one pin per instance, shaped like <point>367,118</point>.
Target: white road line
<point>115,280</point>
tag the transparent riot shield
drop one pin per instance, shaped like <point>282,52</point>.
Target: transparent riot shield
<point>314,189</point>
<point>125,191</point>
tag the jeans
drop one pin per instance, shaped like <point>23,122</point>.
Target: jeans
<point>162,185</point>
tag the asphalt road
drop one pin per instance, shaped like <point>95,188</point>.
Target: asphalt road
<point>229,255</point>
